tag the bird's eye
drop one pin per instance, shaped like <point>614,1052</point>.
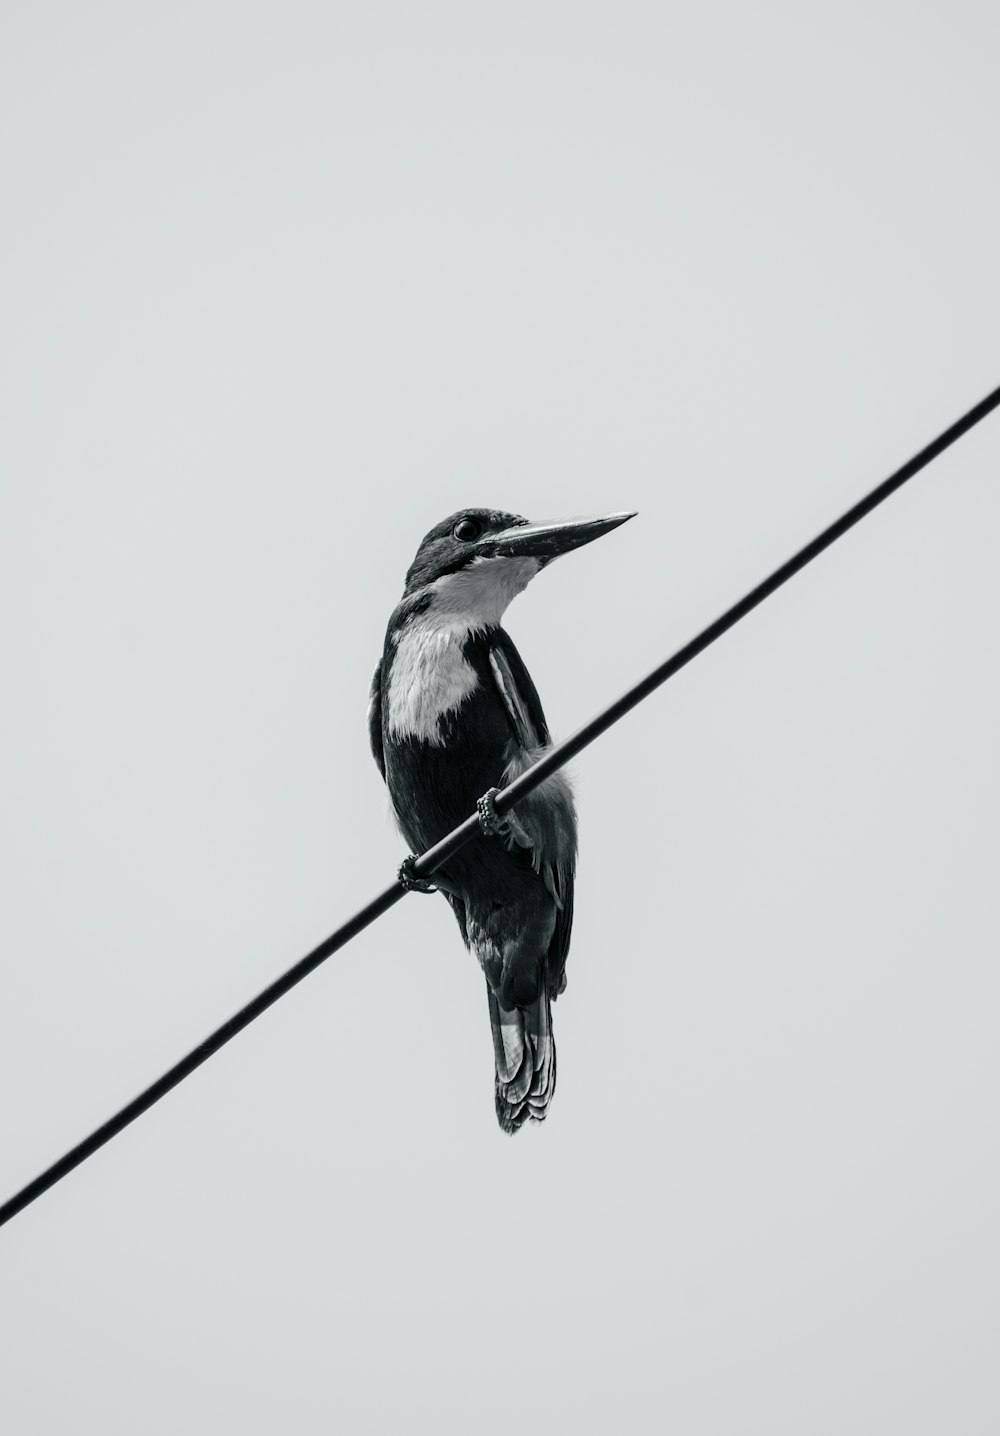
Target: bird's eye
<point>467,530</point>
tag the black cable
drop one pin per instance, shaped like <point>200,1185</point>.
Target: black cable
<point>526,783</point>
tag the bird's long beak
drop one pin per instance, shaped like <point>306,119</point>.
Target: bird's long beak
<point>547,541</point>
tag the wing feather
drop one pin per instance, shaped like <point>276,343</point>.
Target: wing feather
<point>547,818</point>
<point>375,719</point>
<point>519,694</point>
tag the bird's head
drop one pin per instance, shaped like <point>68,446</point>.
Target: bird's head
<point>474,562</point>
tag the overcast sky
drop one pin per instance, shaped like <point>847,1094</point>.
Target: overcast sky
<point>283,285</point>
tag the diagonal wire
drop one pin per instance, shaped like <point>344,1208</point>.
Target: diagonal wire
<point>436,856</point>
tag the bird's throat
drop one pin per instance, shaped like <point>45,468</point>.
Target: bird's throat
<point>430,675</point>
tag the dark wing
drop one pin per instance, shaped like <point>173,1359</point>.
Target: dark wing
<point>375,719</point>
<point>559,947</point>
<point>519,694</point>
<point>546,818</point>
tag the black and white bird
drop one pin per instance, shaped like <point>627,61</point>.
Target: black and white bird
<point>453,715</point>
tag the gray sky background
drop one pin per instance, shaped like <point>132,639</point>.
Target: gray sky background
<point>281,287</point>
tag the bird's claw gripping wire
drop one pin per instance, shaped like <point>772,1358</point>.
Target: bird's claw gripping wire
<point>490,821</point>
<point>409,879</point>
<point>495,826</point>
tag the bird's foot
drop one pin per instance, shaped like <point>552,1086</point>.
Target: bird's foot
<point>490,820</point>
<point>494,826</point>
<point>409,879</point>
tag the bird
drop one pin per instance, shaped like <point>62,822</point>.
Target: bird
<point>453,716</point>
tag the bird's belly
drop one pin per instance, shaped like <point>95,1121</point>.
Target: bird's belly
<point>434,786</point>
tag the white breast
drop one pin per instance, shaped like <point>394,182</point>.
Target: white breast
<point>429,678</point>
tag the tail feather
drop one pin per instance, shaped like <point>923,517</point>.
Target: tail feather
<point>525,1052</point>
